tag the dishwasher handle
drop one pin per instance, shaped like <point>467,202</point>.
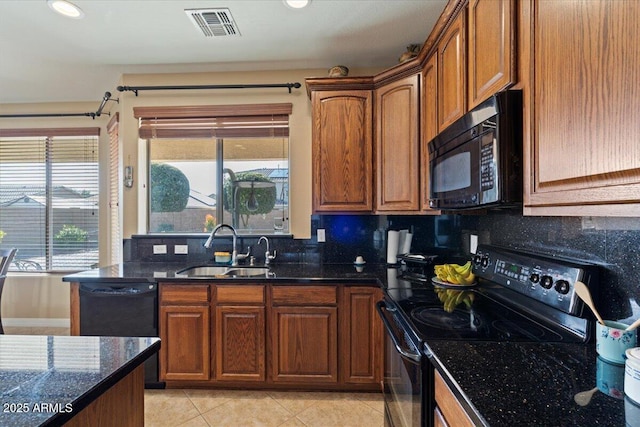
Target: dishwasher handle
<point>413,356</point>
<point>135,290</point>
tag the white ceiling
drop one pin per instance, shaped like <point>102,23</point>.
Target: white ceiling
<point>45,57</point>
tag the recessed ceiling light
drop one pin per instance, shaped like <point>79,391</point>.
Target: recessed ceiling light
<point>297,4</point>
<point>66,8</point>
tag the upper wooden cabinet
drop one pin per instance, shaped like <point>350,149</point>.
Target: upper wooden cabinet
<point>398,145</point>
<point>342,150</point>
<point>429,117</point>
<point>452,73</point>
<point>582,66</point>
<point>491,43</point>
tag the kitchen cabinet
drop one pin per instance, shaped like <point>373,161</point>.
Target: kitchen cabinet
<point>452,73</point>
<point>240,328</point>
<point>362,336</point>
<point>491,44</point>
<point>580,67</point>
<point>398,145</point>
<point>448,410</point>
<point>304,325</point>
<point>342,150</point>
<point>429,125</point>
<point>184,332</point>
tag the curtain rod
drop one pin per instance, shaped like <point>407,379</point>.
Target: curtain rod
<point>98,113</point>
<point>135,89</point>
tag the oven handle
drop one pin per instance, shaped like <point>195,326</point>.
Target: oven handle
<point>407,354</point>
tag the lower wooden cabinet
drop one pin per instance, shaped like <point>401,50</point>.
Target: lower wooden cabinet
<point>305,344</point>
<point>313,336</point>
<point>362,336</point>
<point>239,338</point>
<point>184,331</point>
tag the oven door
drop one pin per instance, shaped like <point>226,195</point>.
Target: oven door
<point>403,381</point>
<point>464,176</point>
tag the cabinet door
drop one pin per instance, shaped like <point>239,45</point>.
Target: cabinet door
<point>429,124</point>
<point>584,156</point>
<point>452,412</point>
<point>491,59</point>
<point>240,343</point>
<point>397,145</point>
<point>305,344</point>
<point>452,74</point>
<point>184,331</point>
<point>342,149</point>
<point>362,336</point>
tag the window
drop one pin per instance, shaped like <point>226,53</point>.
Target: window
<point>49,197</point>
<point>219,164</point>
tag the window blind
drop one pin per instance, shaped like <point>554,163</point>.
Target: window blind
<point>219,121</point>
<point>49,197</point>
<point>114,190</point>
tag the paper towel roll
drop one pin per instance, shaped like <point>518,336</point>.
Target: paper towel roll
<point>393,238</point>
<point>406,244</point>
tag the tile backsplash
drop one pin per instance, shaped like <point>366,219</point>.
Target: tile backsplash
<point>611,243</point>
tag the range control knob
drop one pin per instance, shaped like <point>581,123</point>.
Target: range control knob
<point>562,286</point>
<point>546,282</point>
<point>485,261</point>
<point>477,259</point>
<point>534,278</point>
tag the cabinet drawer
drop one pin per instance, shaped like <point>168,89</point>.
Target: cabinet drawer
<point>304,295</point>
<point>244,294</point>
<point>184,294</point>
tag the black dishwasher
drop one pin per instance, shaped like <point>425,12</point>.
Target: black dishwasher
<point>122,310</point>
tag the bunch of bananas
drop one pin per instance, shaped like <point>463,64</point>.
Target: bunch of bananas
<point>451,298</point>
<point>455,274</point>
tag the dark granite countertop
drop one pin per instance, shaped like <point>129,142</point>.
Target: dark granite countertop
<point>282,273</point>
<point>44,378</point>
<point>531,384</point>
<point>500,384</point>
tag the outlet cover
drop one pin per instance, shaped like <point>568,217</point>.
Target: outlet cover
<point>181,249</point>
<point>321,235</point>
<point>159,249</point>
<point>473,243</point>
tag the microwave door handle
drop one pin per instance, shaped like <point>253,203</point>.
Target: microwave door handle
<point>414,357</point>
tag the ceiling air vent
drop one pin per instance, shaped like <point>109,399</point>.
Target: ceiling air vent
<point>213,22</point>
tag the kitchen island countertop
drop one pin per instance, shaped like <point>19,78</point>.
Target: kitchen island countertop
<point>47,380</point>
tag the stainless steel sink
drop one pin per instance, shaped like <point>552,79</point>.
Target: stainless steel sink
<point>204,271</point>
<point>222,272</point>
<point>247,271</point>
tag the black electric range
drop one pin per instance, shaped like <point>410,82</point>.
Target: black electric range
<point>519,297</point>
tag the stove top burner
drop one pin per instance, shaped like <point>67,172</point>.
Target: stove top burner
<point>438,318</point>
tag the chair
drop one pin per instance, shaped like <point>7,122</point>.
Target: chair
<point>6,256</point>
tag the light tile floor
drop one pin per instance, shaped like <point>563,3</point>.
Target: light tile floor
<point>240,408</point>
<point>204,408</point>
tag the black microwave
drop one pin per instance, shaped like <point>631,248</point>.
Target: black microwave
<point>476,162</point>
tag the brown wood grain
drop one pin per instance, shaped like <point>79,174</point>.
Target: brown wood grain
<point>429,125</point>
<point>240,294</point>
<point>304,295</point>
<point>398,145</point>
<point>491,45</point>
<point>304,344</point>
<point>581,66</point>
<point>184,294</point>
<point>240,343</point>
<point>342,151</point>
<point>121,405</point>
<point>74,309</point>
<point>362,336</point>
<point>185,332</point>
<point>452,73</point>
<point>449,406</point>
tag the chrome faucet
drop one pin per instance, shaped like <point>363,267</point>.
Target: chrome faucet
<point>209,242</point>
<point>267,255</point>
